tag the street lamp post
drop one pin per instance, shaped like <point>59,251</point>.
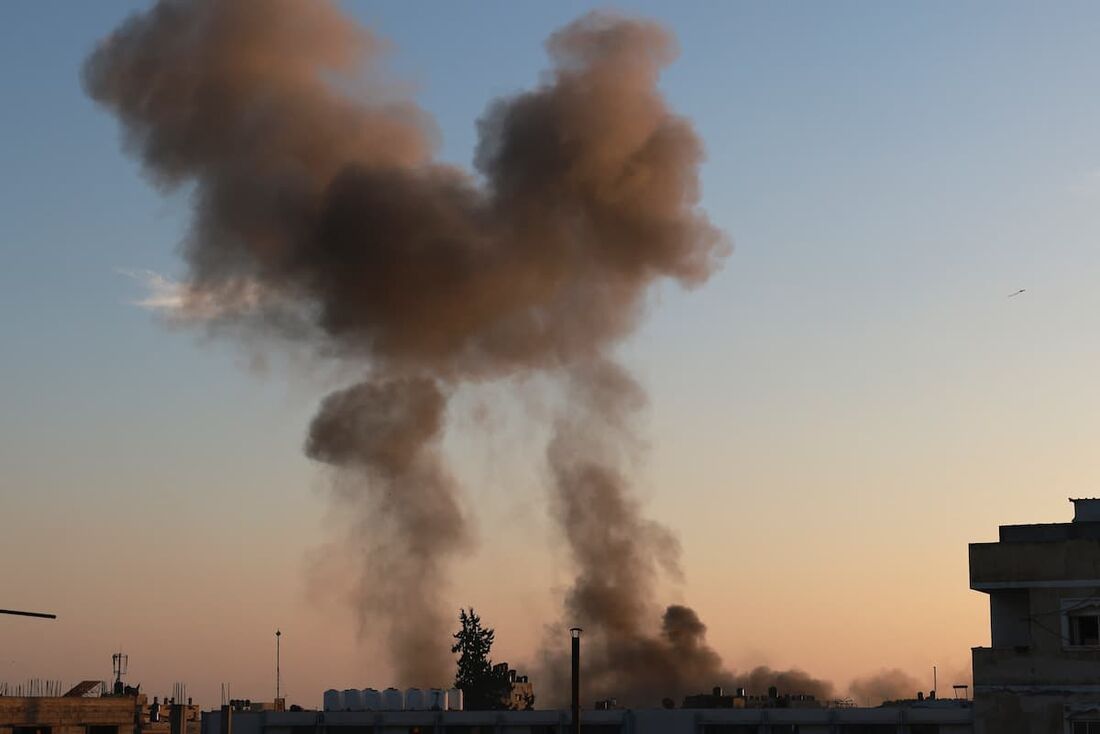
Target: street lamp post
<point>575,634</point>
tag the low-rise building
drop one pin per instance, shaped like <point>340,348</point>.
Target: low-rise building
<point>914,719</point>
<point>521,692</point>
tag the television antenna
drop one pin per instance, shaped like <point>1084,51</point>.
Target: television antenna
<point>120,663</point>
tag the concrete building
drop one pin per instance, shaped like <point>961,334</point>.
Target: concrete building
<point>521,692</point>
<point>77,713</point>
<point>1041,672</point>
<point>941,717</point>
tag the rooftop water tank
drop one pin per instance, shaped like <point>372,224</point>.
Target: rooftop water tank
<point>437,699</point>
<point>334,700</point>
<point>372,699</point>
<point>454,699</point>
<point>392,700</point>
<point>353,699</point>
<point>414,699</point>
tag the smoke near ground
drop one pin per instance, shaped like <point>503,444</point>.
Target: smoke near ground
<point>619,555</point>
<point>886,685</point>
<point>321,216</point>
<point>757,681</point>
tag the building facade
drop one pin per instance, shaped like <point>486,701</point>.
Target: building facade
<point>917,719</point>
<point>1041,672</point>
<point>80,714</point>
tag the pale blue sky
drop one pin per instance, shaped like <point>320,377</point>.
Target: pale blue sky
<point>843,407</point>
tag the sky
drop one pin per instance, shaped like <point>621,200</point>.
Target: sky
<point>832,417</point>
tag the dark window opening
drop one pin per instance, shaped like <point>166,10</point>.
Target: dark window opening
<point>1086,727</point>
<point>1084,629</point>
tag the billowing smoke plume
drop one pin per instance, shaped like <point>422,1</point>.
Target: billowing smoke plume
<point>320,215</point>
<point>757,681</point>
<point>885,685</point>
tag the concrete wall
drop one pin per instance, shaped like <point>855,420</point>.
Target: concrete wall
<point>1009,617</point>
<point>61,711</point>
<point>1010,713</point>
<point>1002,563</point>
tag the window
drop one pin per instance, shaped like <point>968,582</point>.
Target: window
<point>1081,622</point>
<point>1086,727</point>
<point>1084,629</point>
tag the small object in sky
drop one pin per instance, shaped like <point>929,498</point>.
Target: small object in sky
<point>1010,295</point>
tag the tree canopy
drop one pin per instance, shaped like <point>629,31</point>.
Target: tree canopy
<point>482,688</point>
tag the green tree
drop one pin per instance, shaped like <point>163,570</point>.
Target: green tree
<point>482,689</point>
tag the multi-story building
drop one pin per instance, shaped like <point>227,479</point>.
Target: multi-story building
<point>1041,672</point>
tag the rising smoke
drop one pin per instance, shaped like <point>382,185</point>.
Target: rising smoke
<point>320,215</point>
<point>886,685</point>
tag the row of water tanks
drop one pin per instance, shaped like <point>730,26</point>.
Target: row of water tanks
<point>391,699</point>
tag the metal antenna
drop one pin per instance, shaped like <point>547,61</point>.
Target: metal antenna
<point>119,664</point>
<point>278,635</point>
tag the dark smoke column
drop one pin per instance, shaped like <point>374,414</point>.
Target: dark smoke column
<point>383,437</point>
<point>322,218</point>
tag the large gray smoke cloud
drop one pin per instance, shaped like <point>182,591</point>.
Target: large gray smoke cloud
<point>321,216</point>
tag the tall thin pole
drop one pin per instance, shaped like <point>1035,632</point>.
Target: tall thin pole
<point>278,635</point>
<point>575,633</point>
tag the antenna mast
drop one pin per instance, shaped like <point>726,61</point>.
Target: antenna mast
<point>278,635</point>
<point>120,663</point>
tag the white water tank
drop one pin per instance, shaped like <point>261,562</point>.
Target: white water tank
<point>437,699</point>
<point>454,699</point>
<point>353,699</point>
<point>334,700</point>
<point>414,699</point>
<point>392,700</point>
<point>372,699</point>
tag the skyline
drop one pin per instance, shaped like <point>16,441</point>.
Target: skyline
<point>814,369</point>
